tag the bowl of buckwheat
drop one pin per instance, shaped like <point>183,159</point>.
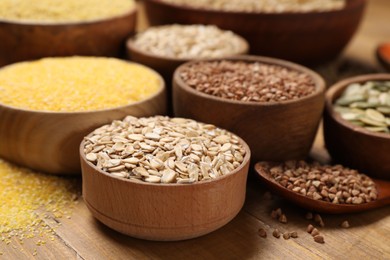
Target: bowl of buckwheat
<point>164,48</point>
<point>310,31</point>
<point>161,178</point>
<point>274,105</point>
<point>357,123</point>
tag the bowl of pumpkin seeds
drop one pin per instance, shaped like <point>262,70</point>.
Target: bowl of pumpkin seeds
<point>357,123</point>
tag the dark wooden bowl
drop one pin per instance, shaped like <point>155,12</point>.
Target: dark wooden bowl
<point>275,131</point>
<point>311,37</point>
<point>28,41</point>
<point>163,212</point>
<point>49,141</point>
<point>354,146</point>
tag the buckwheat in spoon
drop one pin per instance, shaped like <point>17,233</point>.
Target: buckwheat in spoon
<point>324,188</point>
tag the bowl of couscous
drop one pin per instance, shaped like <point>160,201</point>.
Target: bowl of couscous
<point>35,29</point>
<point>47,106</point>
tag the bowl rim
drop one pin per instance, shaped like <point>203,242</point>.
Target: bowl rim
<point>319,82</point>
<point>335,91</point>
<point>161,90</point>
<point>129,13</point>
<point>245,162</point>
<point>350,4</point>
<point>132,47</point>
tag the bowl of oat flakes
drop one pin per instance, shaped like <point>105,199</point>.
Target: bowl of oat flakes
<point>310,31</point>
<point>161,178</point>
<point>357,123</point>
<point>274,105</point>
<point>164,48</point>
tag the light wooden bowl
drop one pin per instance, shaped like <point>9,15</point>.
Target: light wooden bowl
<point>49,141</point>
<point>354,146</point>
<point>163,212</point>
<point>275,131</point>
<point>311,37</point>
<point>27,41</point>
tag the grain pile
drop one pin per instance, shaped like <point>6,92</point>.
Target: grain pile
<point>59,11</point>
<point>164,150</point>
<point>73,84</point>
<point>28,198</point>
<point>264,6</point>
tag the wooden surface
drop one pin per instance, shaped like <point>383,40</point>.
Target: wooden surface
<point>274,131</point>
<point>82,237</point>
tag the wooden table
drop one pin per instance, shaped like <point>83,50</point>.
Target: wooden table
<point>82,237</point>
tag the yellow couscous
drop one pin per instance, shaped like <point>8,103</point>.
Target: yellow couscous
<point>73,84</point>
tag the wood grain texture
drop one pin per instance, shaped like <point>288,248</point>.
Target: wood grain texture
<point>49,141</point>
<point>163,212</point>
<point>302,37</point>
<point>275,131</point>
<point>355,146</point>
<point>367,238</point>
<point>26,41</point>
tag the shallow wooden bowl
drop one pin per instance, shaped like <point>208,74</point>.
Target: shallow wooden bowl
<point>27,41</point>
<point>354,146</point>
<point>49,141</point>
<point>165,65</point>
<point>275,131</point>
<point>163,212</point>
<point>311,37</point>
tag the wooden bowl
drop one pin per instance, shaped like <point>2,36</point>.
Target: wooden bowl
<point>164,212</point>
<point>49,141</point>
<point>354,146</point>
<point>311,37</point>
<point>27,41</point>
<point>382,57</point>
<point>275,131</point>
<point>166,65</point>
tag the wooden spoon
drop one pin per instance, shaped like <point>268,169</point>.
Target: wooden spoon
<point>383,188</point>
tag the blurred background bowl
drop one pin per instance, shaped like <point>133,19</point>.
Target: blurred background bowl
<point>28,41</point>
<point>383,55</point>
<point>163,64</point>
<point>274,131</point>
<point>164,212</point>
<point>307,37</point>
<point>351,145</point>
<point>49,141</point>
